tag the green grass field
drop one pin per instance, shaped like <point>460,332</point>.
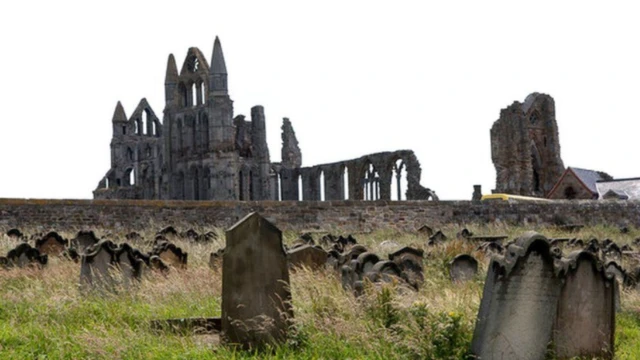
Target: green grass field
<point>43,315</point>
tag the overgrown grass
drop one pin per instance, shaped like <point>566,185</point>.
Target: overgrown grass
<point>44,315</point>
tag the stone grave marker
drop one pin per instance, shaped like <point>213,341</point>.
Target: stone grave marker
<point>409,260</point>
<point>309,256</point>
<point>130,267</point>
<point>170,254</point>
<point>462,268</point>
<point>24,255</point>
<point>96,266</point>
<point>52,244</point>
<point>519,303</point>
<point>83,240</point>
<point>256,300</point>
<point>585,323</point>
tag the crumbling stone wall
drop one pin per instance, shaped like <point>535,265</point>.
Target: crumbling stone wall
<point>337,216</point>
<point>525,147</point>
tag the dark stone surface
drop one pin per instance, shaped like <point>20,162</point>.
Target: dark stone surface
<point>256,300</point>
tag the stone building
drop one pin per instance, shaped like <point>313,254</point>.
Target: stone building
<point>577,183</point>
<point>201,150</point>
<point>525,147</point>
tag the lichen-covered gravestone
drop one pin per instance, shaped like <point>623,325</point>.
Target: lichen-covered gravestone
<point>96,266</point>
<point>462,268</point>
<point>585,324</point>
<point>256,300</point>
<point>519,303</point>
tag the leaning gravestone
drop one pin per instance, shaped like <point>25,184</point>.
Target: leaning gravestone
<point>52,244</point>
<point>519,303</point>
<point>585,324</point>
<point>309,256</point>
<point>256,300</point>
<point>462,268</point>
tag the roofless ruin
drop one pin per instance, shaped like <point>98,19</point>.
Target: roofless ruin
<point>203,151</point>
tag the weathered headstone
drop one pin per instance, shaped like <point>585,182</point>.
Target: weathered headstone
<point>585,323</point>
<point>519,303</point>
<point>97,265</point>
<point>130,267</point>
<point>409,260</point>
<point>52,244</point>
<point>365,262</point>
<point>462,268</point>
<point>308,256</point>
<point>170,254</point>
<point>83,240</point>
<point>256,300</point>
<point>215,259</point>
<point>24,255</point>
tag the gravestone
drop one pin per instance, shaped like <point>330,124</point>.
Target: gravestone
<point>620,276</point>
<point>24,255</point>
<point>585,323</point>
<point>52,244</point>
<point>215,259</point>
<point>170,254</point>
<point>129,265</point>
<point>256,300</point>
<point>519,303</point>
<point>83,240</point>
<point>308,256</point>
<point>365,262</point>
<point>462,268</point>
<point>97,265</point>
<point>409,260</point>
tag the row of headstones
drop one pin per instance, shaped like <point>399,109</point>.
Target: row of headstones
<point>103,263</point>
<point>169,233</point>
<point>534,304</point>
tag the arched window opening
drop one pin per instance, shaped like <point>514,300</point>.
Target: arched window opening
<point>322,185</point>
<point>399,181</point>
<point>137,127</point>
<point>536,165</point>
<point>194,95</point>
<point>250,186</point>
<point>570,193</point>
<point>129,154</point>
<point>241,186</point>
<point>107,183</point>
<point>278,187</point>
<point>345,183</point>
<point>129,177</point>
<point>300,197</point>
<point>145,122</point>
<point>203,94</point>
<point>206,184</point>
<point>196,184</point>
<point>124,130</point>
<point>371,183</point>
<point>183,95</point>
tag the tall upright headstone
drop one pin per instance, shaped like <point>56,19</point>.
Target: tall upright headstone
<point>585,324</point>
<point>519,303</point>
<point>256,300</point>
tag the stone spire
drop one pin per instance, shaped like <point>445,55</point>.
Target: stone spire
<point>218,65</point>
<point>119,115</point>
<point>172,71</point>
<point>291,154</point>
<point>218,70</point>
<point>170,79</point>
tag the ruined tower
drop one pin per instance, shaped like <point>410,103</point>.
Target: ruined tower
<point>202,151</point>
<point>525,147</point>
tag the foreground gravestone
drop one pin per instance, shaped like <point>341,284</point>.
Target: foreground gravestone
<point>97,266</point>
<point>585,323</point>
<point>52,244</point>
<point>519,303</point>
<point>409,260</point>
<point>24,255</point>
<point>256,300</point>
<point>462,268</point>
<point>309,256</point>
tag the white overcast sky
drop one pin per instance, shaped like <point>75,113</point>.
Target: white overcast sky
<point>354,77</point>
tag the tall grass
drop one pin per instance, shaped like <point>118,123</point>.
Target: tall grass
<point>43,314</point>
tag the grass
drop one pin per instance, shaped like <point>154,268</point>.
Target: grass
<point>43,315</point>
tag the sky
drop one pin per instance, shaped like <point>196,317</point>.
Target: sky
<point>354,77</point>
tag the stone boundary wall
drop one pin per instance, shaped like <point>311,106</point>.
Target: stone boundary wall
<point>345,216</point>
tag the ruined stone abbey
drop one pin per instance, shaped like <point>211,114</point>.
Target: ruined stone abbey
<point>202,151</point>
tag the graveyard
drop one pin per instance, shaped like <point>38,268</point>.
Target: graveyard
<point>346,297</point>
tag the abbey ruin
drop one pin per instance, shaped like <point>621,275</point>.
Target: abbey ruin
<point>201,150</point>
<point>525,147</point>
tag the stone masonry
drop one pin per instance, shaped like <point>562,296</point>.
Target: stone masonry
<point>525,147</point>
<point>202,151</point>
